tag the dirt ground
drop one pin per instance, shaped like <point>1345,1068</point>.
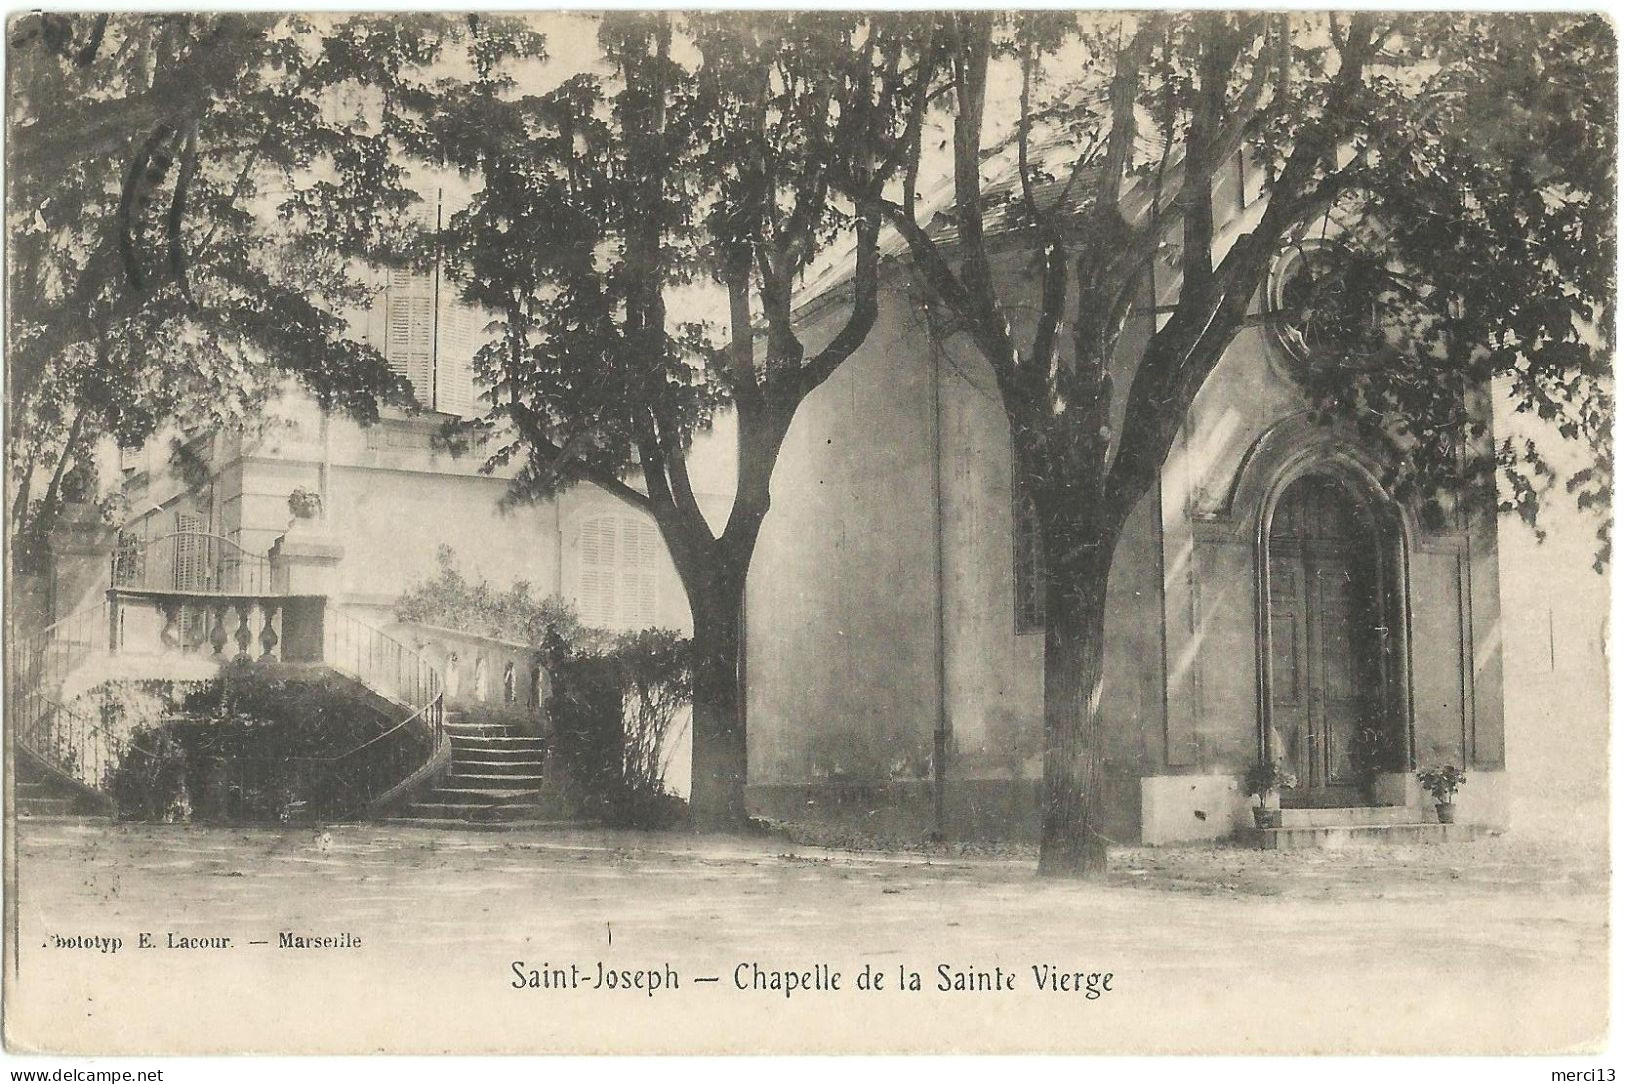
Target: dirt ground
<point>1492,946</point>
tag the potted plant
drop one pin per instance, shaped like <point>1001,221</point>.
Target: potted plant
<point>1443,783</point>
<point>305,503</point>
<point>1264,779</point>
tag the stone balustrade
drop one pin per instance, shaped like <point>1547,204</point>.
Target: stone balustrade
<point>222,627</point>
<point>479,670</point>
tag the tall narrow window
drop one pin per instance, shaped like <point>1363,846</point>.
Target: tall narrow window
<point>618,584</point>
<point>409,315</point>
<point>1029,562</point>
<point>424,331</point>
<point>190,570</point>
<point>409,330</point>
<point>459,329</point>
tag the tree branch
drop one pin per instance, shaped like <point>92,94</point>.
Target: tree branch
<point>1055,278</point>
<point>973,43</point>
<point>865,307</point>
<point>1179,357</point>
<point>1124,91</point>
<point>992,336</point>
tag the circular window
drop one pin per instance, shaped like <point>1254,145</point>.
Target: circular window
<point>1321,303</point>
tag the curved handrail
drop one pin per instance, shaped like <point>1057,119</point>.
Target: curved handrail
<point>397,672</point>
<point>189,561</point>
<point>74,745</point>
<point>43,663</point>
<point>379,765</point>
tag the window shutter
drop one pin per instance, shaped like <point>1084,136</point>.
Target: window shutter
<point>409,317</point>
<point>189,571</point>
<point>409,330</point>
<point>459,330</point>
<point>596,595</point>
<point>619,584</point>
<point>639,585</point>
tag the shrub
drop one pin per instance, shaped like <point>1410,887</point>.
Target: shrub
<point>255,745</point>
<point>612,714</point>
<point>452,600</point>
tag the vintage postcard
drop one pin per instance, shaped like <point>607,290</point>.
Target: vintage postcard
<point>808,532</point>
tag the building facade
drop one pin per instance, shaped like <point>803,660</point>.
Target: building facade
<point>1269,598</point>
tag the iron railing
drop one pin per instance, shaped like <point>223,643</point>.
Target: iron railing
<point>388,667</point>
<point>45,662</point>
<point>134,621</point>
<point>189,561</point>
<point>40,676</point>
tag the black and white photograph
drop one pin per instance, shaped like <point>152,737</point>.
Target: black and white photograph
<point>808,532</point>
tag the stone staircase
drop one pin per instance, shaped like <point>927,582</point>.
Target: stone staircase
<point>41,797</point>
<point>1303,829</point>
<point>494,781</point>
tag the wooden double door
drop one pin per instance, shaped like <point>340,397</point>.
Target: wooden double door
<point>1328,632</point>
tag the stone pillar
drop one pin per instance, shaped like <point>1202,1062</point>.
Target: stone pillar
<point>81,546</point>
<point>305,561</point>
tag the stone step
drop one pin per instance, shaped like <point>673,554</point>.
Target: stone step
<point>1328,837</point>
<point>488,743</point>
<point>43,807</point>
<point>529,780</point>
<point>472,811</point>
<point>456,794</point>
<point>64,818</point>
<point>445,824</point>
<point>489,764</point>
<point>479,729</point>
<point>1349,816</point>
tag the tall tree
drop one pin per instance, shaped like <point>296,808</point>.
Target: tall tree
<point>1465,163</point>
<point>691,158</point>
<point>186,197</point>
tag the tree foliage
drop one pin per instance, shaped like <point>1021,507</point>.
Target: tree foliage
<point>187,195</point>
<point>691,155</point>
<point>1461,165</point>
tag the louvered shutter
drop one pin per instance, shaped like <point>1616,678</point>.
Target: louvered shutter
<point>638,576</point>
<point>409,330</point>
<point>459,330</point>
<point>189,570</point>
<point>596,596</point>
<point>619,584</point>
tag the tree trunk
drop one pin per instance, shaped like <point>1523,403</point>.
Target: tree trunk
<point>717,789</point>
<point>1071,844</point>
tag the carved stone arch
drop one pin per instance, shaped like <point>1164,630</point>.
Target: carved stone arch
<point>1297,445</point>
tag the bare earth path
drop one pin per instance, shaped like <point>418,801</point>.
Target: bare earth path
<point>1493,946</point>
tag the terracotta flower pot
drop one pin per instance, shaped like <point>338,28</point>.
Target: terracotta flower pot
<point>1447,812</point>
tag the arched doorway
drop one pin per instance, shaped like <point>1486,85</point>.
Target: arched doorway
<point>1335,711</point>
